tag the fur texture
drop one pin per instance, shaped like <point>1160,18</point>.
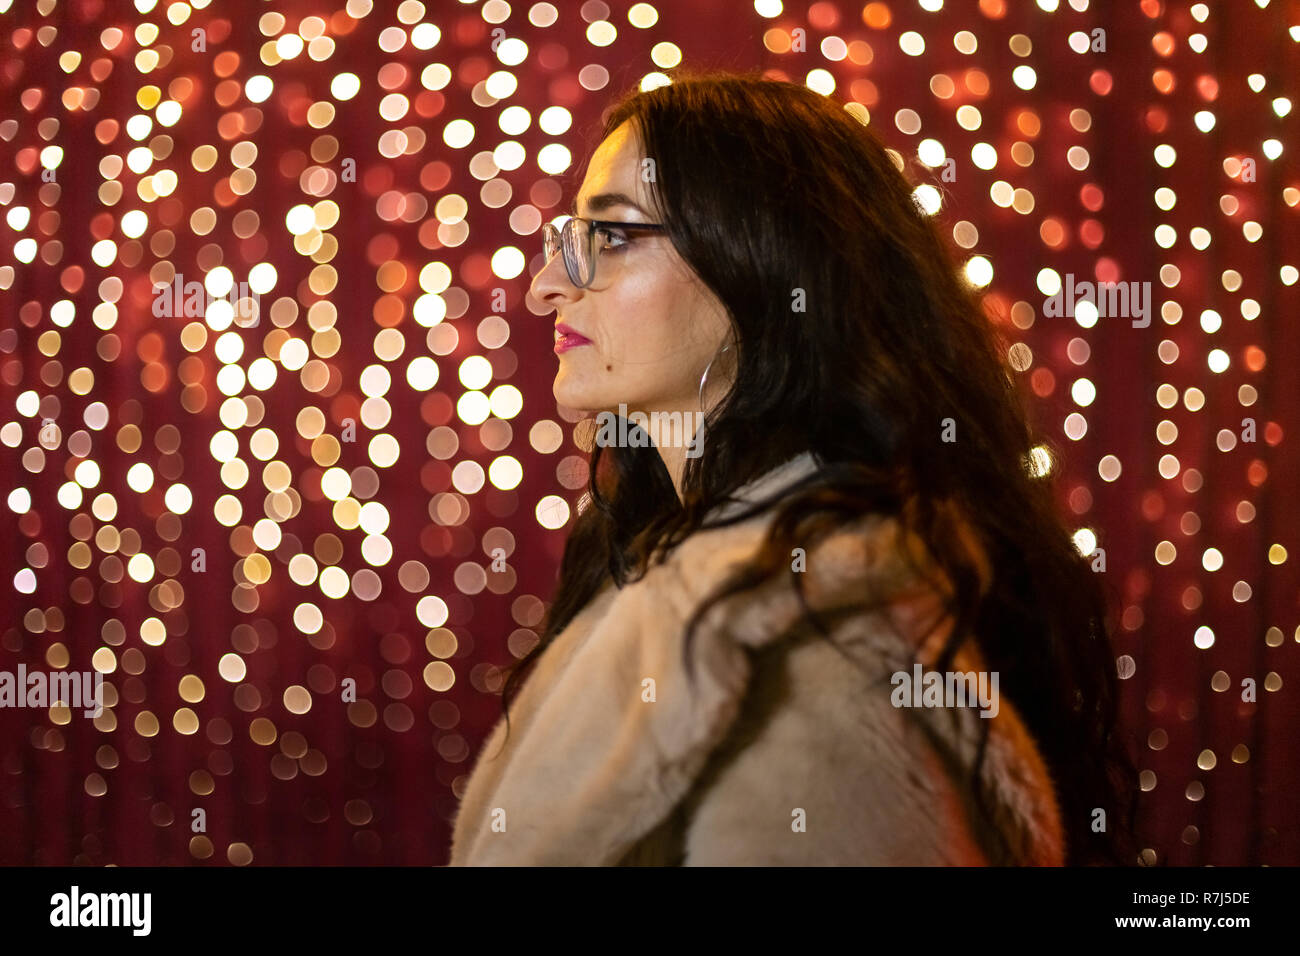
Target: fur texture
<point>778,727</point>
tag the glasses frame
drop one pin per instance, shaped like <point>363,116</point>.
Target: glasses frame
<point>563,239</point>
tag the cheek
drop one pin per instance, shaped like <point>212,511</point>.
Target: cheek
<point>655,316</point>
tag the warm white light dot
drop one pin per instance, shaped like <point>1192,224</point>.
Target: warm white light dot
<point>643,15</point>
<point>554,158</point>
<point>178,499</point>
<point>552,512</point>
<point>984,155</point>
<point>979,271</point>
<point>458,133</point>
<point>927,199</point>
<point>258,88</point>
<point>911,43</point>
<point>512,51</point>
<point>555,120</point>
<point>820,81</point>
<point>431,611</point>
<point>475,372</point>
<point>1083,391</point>
<point>501,84</point>
<point>422,373</point>
<point>425,36</point>
<point>505,473</point>
<point>140,477</point>
<point>86,474</point>
<point>1086,314</point>
<point>665,55</point>
<point>140,568</point>
<point>601,33</point>
<point>514,120</point>
<point>508,262</point>
<point>345,86</point>
<point>930,152</point>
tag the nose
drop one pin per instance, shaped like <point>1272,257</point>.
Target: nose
<point>552,286</point>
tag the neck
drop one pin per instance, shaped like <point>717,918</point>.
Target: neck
<point>676,436</point>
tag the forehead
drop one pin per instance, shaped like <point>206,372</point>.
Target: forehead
<point>614,167</point>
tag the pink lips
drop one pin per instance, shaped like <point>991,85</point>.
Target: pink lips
<point>568,338</point>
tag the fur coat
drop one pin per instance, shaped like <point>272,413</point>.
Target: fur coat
<point>784,751</point>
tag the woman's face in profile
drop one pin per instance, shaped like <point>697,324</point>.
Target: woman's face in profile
<point>651,325</point>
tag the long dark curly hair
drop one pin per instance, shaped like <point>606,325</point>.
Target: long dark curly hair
<point>766,188</point>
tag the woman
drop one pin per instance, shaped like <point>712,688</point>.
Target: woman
<point>725,673</point>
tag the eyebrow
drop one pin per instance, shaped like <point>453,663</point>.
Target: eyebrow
<point>602,201</point>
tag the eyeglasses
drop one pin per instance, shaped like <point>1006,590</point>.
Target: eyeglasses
<point>578,239</point>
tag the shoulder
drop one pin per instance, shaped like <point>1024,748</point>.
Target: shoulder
<point>867,555</point>
<point>820,769</point>
<point>821,766</point>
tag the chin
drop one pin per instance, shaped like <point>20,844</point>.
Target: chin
<point>575,398</point>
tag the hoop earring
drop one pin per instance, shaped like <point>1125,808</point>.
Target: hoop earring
<point>704,377</point>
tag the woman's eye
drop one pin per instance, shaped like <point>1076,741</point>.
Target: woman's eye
<point>611,238</point>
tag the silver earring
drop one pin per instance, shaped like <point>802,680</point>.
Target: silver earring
<point>705,376</point>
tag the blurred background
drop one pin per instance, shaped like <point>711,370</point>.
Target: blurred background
<point>334,460</point>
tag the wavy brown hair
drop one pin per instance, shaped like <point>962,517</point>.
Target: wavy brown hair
<point>766,187</point>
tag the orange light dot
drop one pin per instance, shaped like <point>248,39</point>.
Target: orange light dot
<point>150,347</point>
<point>860,52</point>
<point>823,15</point>
<point>391,276</point>
<point>154,376</point>
<point>226,64</point>
<point>865,92</point>
<point>777,40</point>
<point>1052,232</point>
<point>876,16</point>
<point>389,311</point>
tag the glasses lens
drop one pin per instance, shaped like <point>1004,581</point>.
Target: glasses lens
<point>578,258</point>
<point>550,241</point>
